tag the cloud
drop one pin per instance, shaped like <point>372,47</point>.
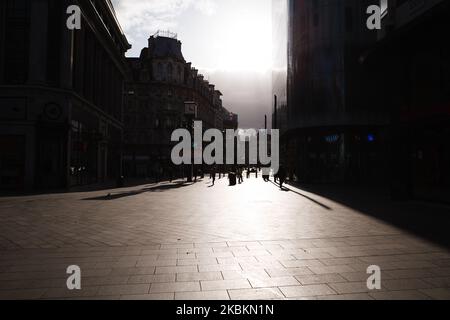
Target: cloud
<point>140,18</point>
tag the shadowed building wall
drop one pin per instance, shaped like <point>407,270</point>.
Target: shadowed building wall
<point>60,94</point>
<point>332,133</point>
<point>411,66</point>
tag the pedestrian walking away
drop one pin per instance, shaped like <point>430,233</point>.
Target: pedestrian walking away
<point>282,176</point>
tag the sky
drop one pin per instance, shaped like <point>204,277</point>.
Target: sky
<point>229,41</point>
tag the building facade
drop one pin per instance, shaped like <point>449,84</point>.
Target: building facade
<point>162,83</point>
<point>366,105</point>
<point>230,120</point>
<point>60,94</point>
<point>279,65</point>
<point>411,64</point>
<point>331,134</point>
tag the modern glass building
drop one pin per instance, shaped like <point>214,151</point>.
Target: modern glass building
<point>331,133</point>
<point>279,68</point>
<point>365,106</point>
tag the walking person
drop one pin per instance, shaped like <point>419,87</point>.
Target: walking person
<point>282,175</point>
<point>266,178</point>
<point>213,176</point>
<point>239,175</point>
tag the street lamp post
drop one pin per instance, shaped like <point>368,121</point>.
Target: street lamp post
<point>190,113</point>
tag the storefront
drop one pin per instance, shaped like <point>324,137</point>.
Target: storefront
<point>352,155</point>
<point>12,161</point>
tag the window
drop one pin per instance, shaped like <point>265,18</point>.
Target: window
<point>16,48</point>
<point>54,45</point>
<point>348,19</point>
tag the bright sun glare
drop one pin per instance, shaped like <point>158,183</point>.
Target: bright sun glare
<point>245,44</point>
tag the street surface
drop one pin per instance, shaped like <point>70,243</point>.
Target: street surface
<point>251,241</point>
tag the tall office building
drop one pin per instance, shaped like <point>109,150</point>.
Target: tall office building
<point>332,135</point>
<point>279,65</point>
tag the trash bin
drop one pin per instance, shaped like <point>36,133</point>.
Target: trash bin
<point>232,178</point>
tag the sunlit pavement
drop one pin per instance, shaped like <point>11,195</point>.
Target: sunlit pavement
<point>183,241</point>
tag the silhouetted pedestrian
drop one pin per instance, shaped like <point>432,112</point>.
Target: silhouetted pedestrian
<point>282,175</point>
<point>239,175</point>
<point>213,177</point>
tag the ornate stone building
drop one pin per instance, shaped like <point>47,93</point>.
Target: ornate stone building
<point>61,94</point>
<point>162,82</point>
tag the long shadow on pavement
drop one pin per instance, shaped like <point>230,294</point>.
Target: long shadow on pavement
<point>159,188</point>
<point>427,220</point>
<point>304,196</point>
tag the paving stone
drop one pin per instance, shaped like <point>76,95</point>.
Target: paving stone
<point>63,293</point>
<point>205,295</point>
<point>129,289</point>
<point>128,246</point>
<point>198,276</point>
<point>247,274</point>
<point>307,291</point>
<point>443,282</point>
<point>273,282</point>
<point>289,272</point>
<point>350,287</point>
<point>175,287</point>
<point>399,295</point>
<point>408,274</point>
<point>339,261</point>
<point>438,293</point>
<point>211,245</point>
<point>406,284</point>
<point>225,285</point>
<point>330,269</point>
<point>359,276</point>
<point>256,294</point>
<point>218,268</point>
<point>150,297</point>
<point>156,263</point>
<point>245,260</point>
<point>351,297</point>
<point>25,294</point>
<point>130,271</point>
<point>301,263</point>
<point>158,278</point>
<point>173,270</point>
<point>320,279</point>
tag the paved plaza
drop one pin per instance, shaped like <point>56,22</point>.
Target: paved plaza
<point>193,241</point>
